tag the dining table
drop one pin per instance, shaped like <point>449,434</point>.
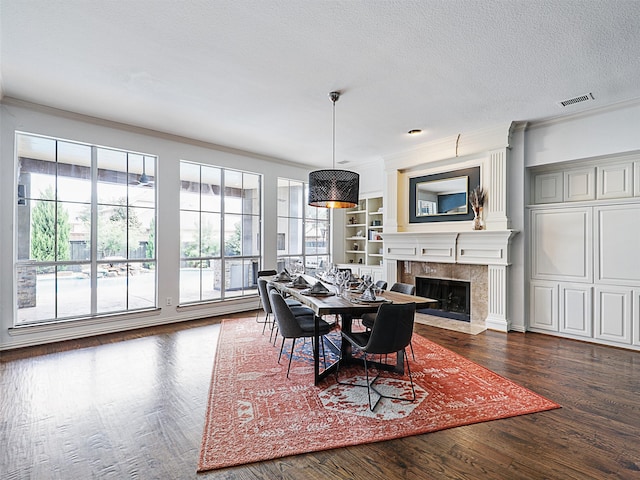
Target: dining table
<point>347,306</point>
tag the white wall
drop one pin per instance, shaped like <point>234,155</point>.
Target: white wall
<point>170,150</point>
<point>516,195</point>
<point>371,177</point>
<point>604,132</point>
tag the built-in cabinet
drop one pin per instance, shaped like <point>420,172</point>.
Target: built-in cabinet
<point>585,252</point>
<point>363,244</point>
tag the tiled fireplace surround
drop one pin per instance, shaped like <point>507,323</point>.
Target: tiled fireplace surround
<point>474,274</point>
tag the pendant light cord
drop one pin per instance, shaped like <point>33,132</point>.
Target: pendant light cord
<point>334,133</point>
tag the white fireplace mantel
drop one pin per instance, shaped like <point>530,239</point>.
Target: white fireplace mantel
<point>482,247</point>
<point>476,247</point>
<point>450,242</point>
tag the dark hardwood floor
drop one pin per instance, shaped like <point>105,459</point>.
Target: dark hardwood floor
<point>132,405</point>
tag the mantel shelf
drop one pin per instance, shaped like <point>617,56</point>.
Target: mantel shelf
<point>476,247</point>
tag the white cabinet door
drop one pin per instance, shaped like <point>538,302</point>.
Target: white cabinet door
<point>376,273</point>
<point>575,309</point>
<point>613,314</point>
<point>579,184</point>
<point>561,244</point>
<point>618,244</point>
<point>544,306</point>
<point>614,181</point>
<point>547,188</point>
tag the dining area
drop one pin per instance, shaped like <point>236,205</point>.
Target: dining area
<point>368,320</point>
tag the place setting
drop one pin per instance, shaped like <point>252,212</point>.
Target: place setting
<point>299,282</point>
<point>317,290</point>
<point>368,295</point>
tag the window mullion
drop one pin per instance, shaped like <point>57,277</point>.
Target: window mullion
<point>94,230</point>
<point>223,277</point>
<point>55,234</point>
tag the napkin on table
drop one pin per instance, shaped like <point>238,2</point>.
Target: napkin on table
<point>300,282</point>
<point>282,277</point>
<point>319,288</point>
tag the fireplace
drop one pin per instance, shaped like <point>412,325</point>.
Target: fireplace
<point>453,296</point>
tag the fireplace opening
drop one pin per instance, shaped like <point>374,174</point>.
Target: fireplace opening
<point>453,297</point>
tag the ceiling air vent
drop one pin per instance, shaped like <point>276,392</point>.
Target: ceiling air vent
<point>581,98</point>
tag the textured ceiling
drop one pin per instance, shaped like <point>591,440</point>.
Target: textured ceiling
<point>255,74</point>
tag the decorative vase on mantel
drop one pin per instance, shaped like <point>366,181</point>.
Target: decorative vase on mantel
<point>478,223</point>
<point>477,197</point>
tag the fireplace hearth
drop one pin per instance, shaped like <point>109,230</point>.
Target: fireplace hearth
<point>453,296</point>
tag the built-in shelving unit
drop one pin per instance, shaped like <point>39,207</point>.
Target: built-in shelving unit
<point>363,244</point>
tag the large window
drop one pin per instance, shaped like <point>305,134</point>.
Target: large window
<point>85,222</point>
<point>303,231</point>
<point>219,233</point>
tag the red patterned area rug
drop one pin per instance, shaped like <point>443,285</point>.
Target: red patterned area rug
<point>255,413</point>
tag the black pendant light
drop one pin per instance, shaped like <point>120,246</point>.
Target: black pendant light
<point>333,188</point>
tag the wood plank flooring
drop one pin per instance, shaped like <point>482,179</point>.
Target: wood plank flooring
<point>132,405</point>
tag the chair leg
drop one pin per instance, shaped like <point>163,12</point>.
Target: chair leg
<point>281,348</point>
<point>369,387</point>
<point>293,344</point>
<point>324,355</point>
<point>413,390</point>
<point>267,320</point>
<point>412,354</point>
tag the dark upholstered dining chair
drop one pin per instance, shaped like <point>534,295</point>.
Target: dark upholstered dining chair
<point>295,326</point>
<point>407,288</point>
<point>263,290</point>
<point>381,284</point>
<point>261,297</point>
<point>391,333</point>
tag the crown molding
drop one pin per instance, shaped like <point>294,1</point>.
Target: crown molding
<point>558,119</point>
<point>79,117</point>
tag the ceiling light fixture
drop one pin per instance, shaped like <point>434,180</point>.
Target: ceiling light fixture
<point>144,178</point>
<point>333,188</point>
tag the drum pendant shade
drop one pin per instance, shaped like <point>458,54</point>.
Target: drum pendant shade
<point>333,188</point>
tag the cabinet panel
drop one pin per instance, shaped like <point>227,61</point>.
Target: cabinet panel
<point>618,241</point>
<point>547,187</point>
<point>562,244</point>
<point>575,310</point>
<point>375,272</point>
<point>613,314</point>
<point>544,306</point>
<point>579,185</point>
<point>614,181</point>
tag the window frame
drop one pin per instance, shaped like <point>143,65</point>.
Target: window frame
<point>305,259</point>
<point>60,289</point>
<point>249,264</point>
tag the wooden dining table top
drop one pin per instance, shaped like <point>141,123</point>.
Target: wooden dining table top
<point>348,304</point>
